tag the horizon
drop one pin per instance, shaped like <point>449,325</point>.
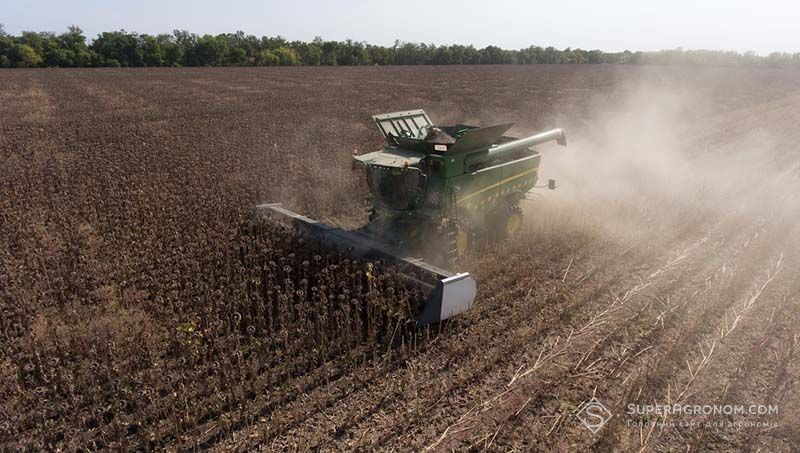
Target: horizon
<point>622,25</point>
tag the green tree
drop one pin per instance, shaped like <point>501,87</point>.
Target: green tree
<point>181,48</point>
<point>153,54</point>
<point>491,55</point>
<point>329,49</point>
<point>174,55</point>
<point>186,42</point>
<point>120,46</point>
<point>267,58</point>
<point>380,55</point>
<point>6,47</point>
<point>350,53</point>
<point>312,55</point>
<point>34,40</point>
<point>551,56</point>
<point>595,56</point>
<point>406,53</point>
<point>287,56</point>
<point>237,44</point>
<point>69,49</point>
<point>272,43</point>
<point>210,51</point>
<point>444,55</point>
<point>26,56</point>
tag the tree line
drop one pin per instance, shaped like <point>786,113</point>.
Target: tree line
<point>181,48</point>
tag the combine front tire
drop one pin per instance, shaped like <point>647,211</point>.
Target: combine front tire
<point>458,240</point>
<point>462,239</point>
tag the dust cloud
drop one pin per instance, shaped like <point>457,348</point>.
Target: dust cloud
<point>658,160</point>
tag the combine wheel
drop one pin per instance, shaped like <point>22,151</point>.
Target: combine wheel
<point>513,221</point>
<point>458,240</point>
<point>462,239</point>
<point>507,222</point>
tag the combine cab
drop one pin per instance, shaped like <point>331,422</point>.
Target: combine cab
<point>436,193</point>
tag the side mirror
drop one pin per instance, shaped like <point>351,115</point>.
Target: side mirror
<point>551,184</point>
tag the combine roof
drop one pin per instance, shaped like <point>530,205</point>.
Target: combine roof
<point>391,157</point>
<point>402,124</point>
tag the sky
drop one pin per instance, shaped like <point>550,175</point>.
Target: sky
<point>611,25</point>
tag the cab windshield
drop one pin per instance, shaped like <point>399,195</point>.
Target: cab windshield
<point>395,186</point>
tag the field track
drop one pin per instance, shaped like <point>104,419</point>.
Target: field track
<point>663,270</point>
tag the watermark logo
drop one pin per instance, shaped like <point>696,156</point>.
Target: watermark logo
<point>594,415</point>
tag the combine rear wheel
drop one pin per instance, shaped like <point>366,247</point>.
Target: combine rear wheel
<point>513,221</point>
<point>506,222</point>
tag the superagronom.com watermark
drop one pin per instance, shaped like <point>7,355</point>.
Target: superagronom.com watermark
<point>594,415</point>
<point>696,409</point>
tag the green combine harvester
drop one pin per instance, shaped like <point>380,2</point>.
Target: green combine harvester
<point>437,192</point>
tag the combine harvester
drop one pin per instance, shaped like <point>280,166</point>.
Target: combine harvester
<point>436,192</point>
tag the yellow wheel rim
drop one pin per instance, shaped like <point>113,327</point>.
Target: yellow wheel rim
<point>513,224</point>
<point>462,242</point>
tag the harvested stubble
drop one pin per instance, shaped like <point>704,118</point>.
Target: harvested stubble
<point>136,315</point>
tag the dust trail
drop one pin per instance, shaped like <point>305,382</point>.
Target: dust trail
<point>653,162</point>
